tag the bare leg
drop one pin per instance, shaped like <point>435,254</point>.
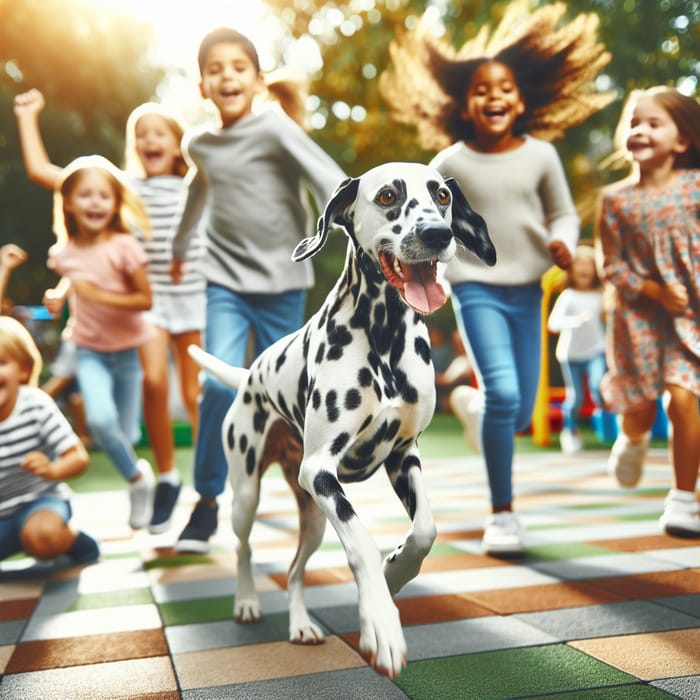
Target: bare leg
<point>188,372</point>
<point>154,360</point>
<point>684,443</point>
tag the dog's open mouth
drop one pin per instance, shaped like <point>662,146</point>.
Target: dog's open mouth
<point>416,282</point>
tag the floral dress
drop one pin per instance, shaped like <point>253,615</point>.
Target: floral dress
<point>651,234</point>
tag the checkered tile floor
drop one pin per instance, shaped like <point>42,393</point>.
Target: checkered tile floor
<point>602,606</point>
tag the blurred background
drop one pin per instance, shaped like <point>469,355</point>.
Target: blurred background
<point>95,60</point>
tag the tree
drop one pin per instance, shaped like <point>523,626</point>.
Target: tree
<point>92,65</point>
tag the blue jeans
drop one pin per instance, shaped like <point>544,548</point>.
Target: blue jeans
<point>501,326</point>
<point>574,373</point>
<point>230,318</point>
<point>110,383</point>
<point>11,525</point>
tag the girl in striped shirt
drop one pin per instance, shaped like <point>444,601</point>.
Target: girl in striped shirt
<point>155,168</point>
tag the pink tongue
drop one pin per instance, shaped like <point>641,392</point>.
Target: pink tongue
<point>422,292</point>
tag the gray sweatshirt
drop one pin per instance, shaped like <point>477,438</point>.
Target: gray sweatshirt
<point>252,179</point>
<point>524,198</point>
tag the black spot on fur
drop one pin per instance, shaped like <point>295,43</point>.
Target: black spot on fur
<point>230,438</point>
<point>320,353</point>
<point>247,397</point>
<point>353,399</point>
<point>339,443</point>
<point>243,445</point>
<point>326,485</point>
<point>316,399</point>
<point>332,410</point>
<point>250,461</point>
<point>364,377</point>
<point>422,349</point>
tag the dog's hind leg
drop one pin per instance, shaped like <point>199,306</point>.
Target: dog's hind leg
<point>246,494</point>
<point>403,564</point>
<point>288,450</point>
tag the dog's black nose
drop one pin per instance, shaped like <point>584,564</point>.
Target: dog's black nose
<point>436,237</point>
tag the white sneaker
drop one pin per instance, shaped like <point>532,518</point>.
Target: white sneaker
<point>503,534</point>
<point>141,496</point>
<point>627,459</point>
<point>681,516</point>
<point>467,403</point>
<point>570,442</point>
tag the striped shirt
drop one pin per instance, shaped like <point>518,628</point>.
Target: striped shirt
<point>162,196</point>
<point>35,424</point>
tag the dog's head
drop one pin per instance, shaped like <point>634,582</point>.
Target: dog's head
<point>406,217</point>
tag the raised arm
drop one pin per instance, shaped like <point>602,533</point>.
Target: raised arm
<point>40,170</point>
<point>11,257</point>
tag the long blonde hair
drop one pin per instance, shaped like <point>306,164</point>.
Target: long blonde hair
<point>17,342</point>
<point>130,212</point>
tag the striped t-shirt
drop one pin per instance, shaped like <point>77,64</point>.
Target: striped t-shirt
<point>162,196</point>
<point>35,424</point>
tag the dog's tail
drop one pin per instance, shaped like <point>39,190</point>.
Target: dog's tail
<point>220,370</point>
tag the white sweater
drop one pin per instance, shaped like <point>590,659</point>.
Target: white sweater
<point>524,197</point>
<point>577,317</point>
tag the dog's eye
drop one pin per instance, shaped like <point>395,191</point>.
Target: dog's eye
<point>443,196</point>
<point>386,197</point>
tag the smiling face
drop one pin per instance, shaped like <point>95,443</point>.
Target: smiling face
<point>91,203</point>
<point>231,80</point>
<point>654,140</point>
<point>157,145</point>
<point>493,103</point>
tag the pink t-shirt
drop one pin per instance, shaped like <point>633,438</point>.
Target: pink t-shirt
<point>108,265</point>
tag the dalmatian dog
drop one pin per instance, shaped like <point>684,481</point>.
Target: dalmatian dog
<point>351,391</point>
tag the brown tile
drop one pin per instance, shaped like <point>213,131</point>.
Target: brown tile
<point>460,535</point>
<point>16,609</point>
<point>255,662</point>
<point>548,596</point>
<point>648,656</point>
<point>454,562</point>
<point>437,608</point>
<point>657,584</point>
<point>644,544</point>
<point>92,649</point>
<point>317,577</point>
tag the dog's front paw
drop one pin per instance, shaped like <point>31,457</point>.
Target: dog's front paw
<point>306,634</point>
<point>382,642</point>
<point>246,610</point>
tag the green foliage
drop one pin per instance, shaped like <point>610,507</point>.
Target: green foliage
<point>92,62</point>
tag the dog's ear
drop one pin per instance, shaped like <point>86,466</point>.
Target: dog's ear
<point>335,214</point>
<point>468,226</point>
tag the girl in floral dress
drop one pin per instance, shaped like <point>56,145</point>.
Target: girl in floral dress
<point>649,230</point>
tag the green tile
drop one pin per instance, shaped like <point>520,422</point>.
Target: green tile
<point>635,691</point>
<point>176,560</point>
<point>444,548</point>
<point>112,599</point>
<point>188,612</point>
<point>508,674</point>
<point>566,550</point>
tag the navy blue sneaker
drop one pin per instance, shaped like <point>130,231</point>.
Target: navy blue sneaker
<point>201,526</point>
<point>84,550</point>
<point>163,506</point>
